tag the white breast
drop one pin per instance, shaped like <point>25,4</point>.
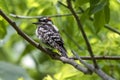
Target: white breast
<point>55,28</point>
<point>38,34</point>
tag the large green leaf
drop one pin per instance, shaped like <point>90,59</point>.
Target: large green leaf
<point>97,5</point>
<point>107,12</point>
<point>3,5</point>
<point>85,16</point>
<point>12,72</point>
<point>99,20</point>
<point>100,9</point>
<point>79,3</point>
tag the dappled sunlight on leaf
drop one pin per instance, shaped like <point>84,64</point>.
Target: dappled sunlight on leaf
<point>66,72</point>
<point>113,36</point>
<point>48,77</point>
<point>21,78</point>
<point>33,2</point>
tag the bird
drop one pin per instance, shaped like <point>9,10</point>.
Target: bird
<point>49,34</point>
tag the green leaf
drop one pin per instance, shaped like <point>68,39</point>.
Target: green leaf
<point>2,28</point>
<point>80,2</point>
<point>85,16</point>
<point>12,72</point>
<point>96,6</point>
<point>93,4</point>
<point>101,16</point>
<point>107,12</point>
<point>48,77</point>
<point>99,20</point>
<point>4,6</point>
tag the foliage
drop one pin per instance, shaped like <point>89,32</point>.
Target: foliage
<point>13,72</point>
<point>97,13</point>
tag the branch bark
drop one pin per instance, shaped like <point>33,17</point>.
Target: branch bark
<point>102,74</point>
<point>98,58</point>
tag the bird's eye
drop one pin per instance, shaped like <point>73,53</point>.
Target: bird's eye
<point>39,20</point>
<point>44,20</point>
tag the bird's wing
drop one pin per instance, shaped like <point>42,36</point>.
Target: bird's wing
<point>49,35</point>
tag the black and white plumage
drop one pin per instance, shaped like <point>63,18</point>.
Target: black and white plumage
<point>49,34</point>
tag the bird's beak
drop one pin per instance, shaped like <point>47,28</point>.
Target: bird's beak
<point>36,23</point>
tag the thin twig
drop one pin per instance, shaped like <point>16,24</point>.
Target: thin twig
<point>63,4</point>
<point>112,29</point>
<point>83,32</point>
<point>34,17</point>
<point>98,57</point>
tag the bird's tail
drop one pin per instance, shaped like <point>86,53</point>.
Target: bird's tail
<point>63,51</point>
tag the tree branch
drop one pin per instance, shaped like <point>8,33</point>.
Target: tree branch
<point>82,31</point>
<point>102,74</point>
<point>75,65</point>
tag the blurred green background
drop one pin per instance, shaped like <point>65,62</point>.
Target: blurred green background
<point>21,61</point>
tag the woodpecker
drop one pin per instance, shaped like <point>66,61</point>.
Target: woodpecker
<point>48,33</point>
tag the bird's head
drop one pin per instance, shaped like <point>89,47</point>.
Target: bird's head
<point>44,20</point>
